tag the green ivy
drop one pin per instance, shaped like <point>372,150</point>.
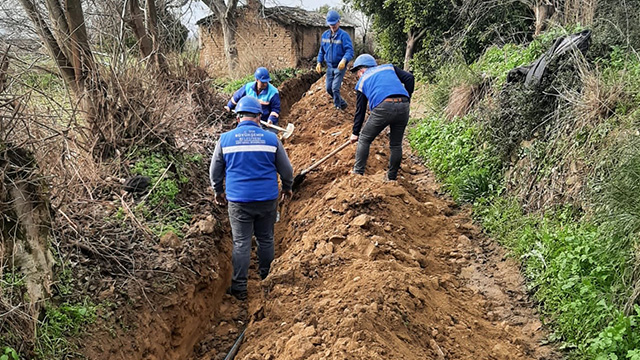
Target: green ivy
<point>9,353</point>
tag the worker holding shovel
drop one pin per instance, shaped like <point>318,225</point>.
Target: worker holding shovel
<point>387,89</point>
<point>247,161</point>
<point>267,95</point>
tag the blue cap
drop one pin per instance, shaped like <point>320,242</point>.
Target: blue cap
<point>262,74</point>
<point>248,104</point>
<point>365,60</point>
<point>333,17</point>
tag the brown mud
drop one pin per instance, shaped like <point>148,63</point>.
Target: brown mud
<point>368,269</point>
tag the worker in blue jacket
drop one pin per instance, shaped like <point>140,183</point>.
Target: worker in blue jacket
<point>244,174</point>
<point>266,94</point>
<point>336,49</point>
<point>387,89</point>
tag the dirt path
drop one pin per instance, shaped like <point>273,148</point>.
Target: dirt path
<point>368,269</point>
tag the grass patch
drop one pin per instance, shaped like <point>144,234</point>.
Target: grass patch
<point>572,271</point>
<point>229,86</point>
<point>59,324</point>
<point>453,151</point>
<point>161,206</point>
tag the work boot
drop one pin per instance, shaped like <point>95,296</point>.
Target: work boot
<point>238,294</point>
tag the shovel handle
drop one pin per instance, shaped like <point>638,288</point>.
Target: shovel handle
<point>315,164</point>
<point>272,126</point>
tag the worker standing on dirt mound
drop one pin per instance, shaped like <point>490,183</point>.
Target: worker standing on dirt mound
<point>336,49</point>
<point>388,90</point>
<point>266,94</point>
<point>250,159</point>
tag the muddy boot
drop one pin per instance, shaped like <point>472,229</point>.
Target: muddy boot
<point>238,294</point>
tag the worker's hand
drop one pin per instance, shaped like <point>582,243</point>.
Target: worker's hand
<point>221,199</point>
<point>319,68</point>
<point>353,138</point>
<point>269,122</point>
<point>286,195</point>
<point>227,108</point>
<point>342,64</point>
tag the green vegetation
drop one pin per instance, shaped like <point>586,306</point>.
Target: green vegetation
<point>578,247</point>
<point>468,171</point>
<point>12,280</point>
<point>59,324</point>
<point>440,29</point>
<point>572,272</point>
<point>161,206</point>
<point>278,76</point>
<point>9,354</point>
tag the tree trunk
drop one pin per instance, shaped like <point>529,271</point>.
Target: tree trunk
<point>59,23</point>
<point>543,12</point>
<point>230,49</point>
<point>65,66</point>
<point>4,66</point>
<point>145,28</point>
<point>78,41</point>
<point>136,23</point>
<point>412,39</point>
<point>151,20</point>
<point>226,14</point>
<point>26,223</point>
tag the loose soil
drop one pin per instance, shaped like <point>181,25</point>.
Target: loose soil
<point>368,269</point>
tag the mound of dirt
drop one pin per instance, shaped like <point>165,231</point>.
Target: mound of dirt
<point>293,89</point>
<point>368,269</point>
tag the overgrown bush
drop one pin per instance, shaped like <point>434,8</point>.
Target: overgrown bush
<point>547,145</point>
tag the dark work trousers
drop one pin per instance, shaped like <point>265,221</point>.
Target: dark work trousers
<point>333,84</point>
<point>394,115</point>
<point>246,220</point>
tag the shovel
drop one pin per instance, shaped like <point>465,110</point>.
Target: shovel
<point>300,177</point>
<point>287,132</point>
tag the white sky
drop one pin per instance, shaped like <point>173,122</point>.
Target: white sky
<point>305,4</point>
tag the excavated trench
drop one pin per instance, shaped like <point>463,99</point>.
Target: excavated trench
<point>364,269</point>
<point>368,269</point>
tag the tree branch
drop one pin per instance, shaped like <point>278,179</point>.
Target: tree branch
<point>50,42</point>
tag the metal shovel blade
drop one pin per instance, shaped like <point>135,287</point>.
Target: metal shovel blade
<point>297,181</point>
<point>288,131</point>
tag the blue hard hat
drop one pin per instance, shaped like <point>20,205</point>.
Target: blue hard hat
<point>248,104</point>
<point>365,60</point>
<point>262,74</point>
<point>332,17</point>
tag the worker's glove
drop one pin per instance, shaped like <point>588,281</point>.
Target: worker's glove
<point>353,138</point>
<point>319,68</point>
<point>342,64</point>
<point>227,109</point>
<point>272,119</point>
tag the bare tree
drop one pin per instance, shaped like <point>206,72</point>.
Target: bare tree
<point>363,27</point>
<point>225,11</point>
<point>145,28</point>
<point>67,43</point>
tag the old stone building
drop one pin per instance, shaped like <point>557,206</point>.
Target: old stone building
<point>277,37</point>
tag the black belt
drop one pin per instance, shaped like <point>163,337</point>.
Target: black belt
<point>399,99</point>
